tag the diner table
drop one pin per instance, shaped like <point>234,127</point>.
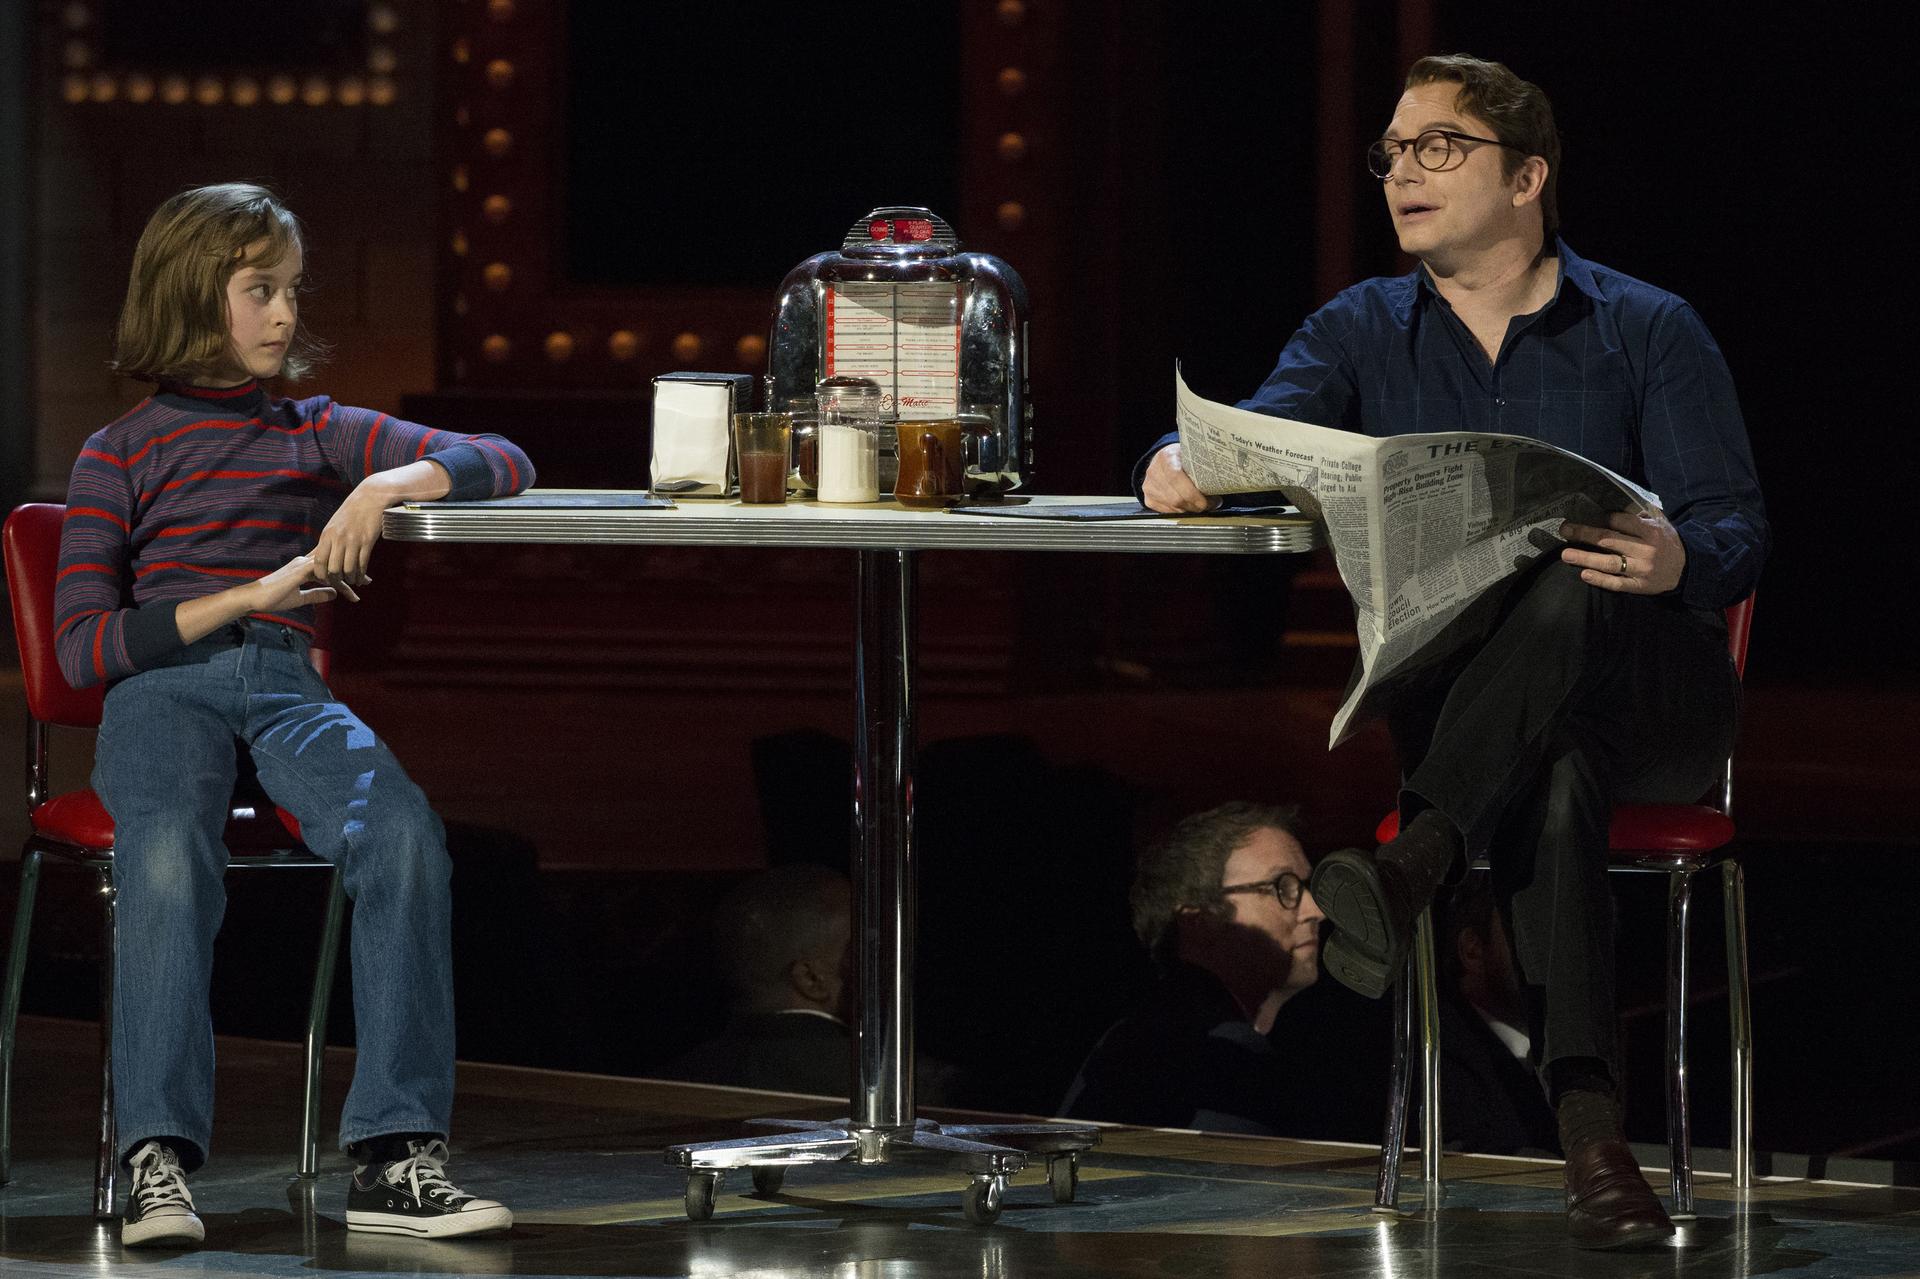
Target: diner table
<point>882,1127</point>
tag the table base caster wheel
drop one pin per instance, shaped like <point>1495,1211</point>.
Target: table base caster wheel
<point>981,1200</point>
<point>1063,1176</point>
<point>767,1181</point>
<point>700,1188</point>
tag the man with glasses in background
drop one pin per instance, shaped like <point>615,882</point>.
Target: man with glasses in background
<point>1599,674</point>
<point>1222,905</point>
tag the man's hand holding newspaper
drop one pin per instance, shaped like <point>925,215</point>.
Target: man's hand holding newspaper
<point>1639,554</point>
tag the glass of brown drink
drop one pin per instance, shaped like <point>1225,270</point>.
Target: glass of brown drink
<point>762,444</point>
<point>932,462</point>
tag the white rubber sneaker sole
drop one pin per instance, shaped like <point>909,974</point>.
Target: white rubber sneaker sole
<point>163,1230</point>
<point>473,1221</point>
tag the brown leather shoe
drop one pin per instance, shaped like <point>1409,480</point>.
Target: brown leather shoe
<point>1609,1204</point>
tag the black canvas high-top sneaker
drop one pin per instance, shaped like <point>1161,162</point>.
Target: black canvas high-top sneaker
<point>159,1209</point>
<point>412,1196</point>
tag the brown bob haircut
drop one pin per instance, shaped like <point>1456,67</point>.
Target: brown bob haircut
<point>1518,110</point>
<point>1183,871</point>
<point>174,324</point>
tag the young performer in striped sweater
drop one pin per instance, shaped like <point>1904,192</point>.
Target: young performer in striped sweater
<point>201,528</point>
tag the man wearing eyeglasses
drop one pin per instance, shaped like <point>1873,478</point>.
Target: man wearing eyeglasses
<point>1601,675</point>
<point>1223,906</point>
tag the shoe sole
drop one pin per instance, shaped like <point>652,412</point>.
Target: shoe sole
<point>1651,1236</point>
<point>1361,974</point>
<point>163,1232</point>
<point>449,1226</point>
<point>1365,952</point>
<point>1347,886</point>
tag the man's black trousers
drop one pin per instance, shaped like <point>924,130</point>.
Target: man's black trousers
<point>1578,698</point>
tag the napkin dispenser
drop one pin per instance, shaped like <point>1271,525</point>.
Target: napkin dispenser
<point>693,432</point>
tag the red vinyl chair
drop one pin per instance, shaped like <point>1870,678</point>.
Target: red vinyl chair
<point>1675,840</point>
<point>75,829</point>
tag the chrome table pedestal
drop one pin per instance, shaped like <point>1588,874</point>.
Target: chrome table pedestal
<point>882,1128</point>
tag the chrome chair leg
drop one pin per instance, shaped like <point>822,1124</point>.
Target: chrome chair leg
<point>1427,1006</point>
<point>1679,1119</point>
<point>10,1008</point>
<point>317,1023</point>
<point>108,1162</point>
<point>1393,1140</point>
<point>302,1208</point>
<point>1740,1020</point>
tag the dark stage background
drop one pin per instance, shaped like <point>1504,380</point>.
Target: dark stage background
<point>1168,194</point>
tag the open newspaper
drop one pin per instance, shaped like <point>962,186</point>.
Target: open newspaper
<point>1425,529</point>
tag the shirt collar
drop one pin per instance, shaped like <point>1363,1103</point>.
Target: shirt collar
<point>1417,285</point>
<point>1577,271</point>
<point>245,398</point>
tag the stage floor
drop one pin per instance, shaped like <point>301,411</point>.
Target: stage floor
<point>578,1159</point>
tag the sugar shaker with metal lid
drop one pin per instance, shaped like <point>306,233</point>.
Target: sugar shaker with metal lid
<point>849,439</point>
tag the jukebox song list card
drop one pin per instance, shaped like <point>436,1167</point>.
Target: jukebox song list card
<point>906,337</point>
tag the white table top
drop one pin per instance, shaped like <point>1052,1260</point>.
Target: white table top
<point>867,526</point>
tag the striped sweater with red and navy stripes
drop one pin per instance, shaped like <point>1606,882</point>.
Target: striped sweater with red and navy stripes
<point>195,490</point>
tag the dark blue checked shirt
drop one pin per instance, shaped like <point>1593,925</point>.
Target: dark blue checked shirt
<point>1611,368</point>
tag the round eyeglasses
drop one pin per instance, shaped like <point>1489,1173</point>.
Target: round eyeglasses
<point>1435,150</point>
<point>1285,887</point>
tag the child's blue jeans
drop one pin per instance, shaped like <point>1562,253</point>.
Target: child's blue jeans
<point>165,767</point>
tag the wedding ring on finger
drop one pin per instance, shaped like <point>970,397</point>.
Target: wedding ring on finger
<point>1622,570</point>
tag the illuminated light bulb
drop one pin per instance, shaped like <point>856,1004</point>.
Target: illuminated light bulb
<point>382,92</point>
<point>559,347</point>
<point>74,88</point>
<point>750,349</point>
<point>209,91</point>
<point>623,344</point>
<point>498,276</point>
<point>687,347</point>
<point>499,73</point>
<point>351,91</point>
<point>140,87</point>
<point>281,90</point>
<point>1012,81</point>
<point>1010,214</point>
<point>315,91</point>
<point>498,142</point>
<point>496,348</point>
<point>245,91</point>
<point>497,208</point>
<point>174,90</point>
<point>1012,146</point>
